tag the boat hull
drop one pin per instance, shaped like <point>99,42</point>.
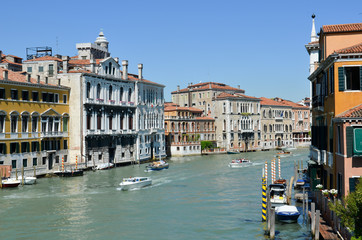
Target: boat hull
<point>70,174</point>
<point>230,152</point>
<point>287,217</point>
<point>28,180</point>
<point>126,187</point>
<point>10,183</point>
<point>239,165</point>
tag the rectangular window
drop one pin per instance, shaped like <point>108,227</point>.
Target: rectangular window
<point>14,148</point>
<point>65,124</point>
<point>35,96</point>
<point>34,146</point>
<point>2,148</point>
<point>44,160</point>
<point>56,97</point>
<point>2,93</point>
<point>2,123</point>
<point>65,144</point>
<point>331,80</point>
<point>353,80</point>
<point>29,69</point>
<point>13,163</point>
<point>14,94</point>
<point>25,95</point>
<point>56,159</point>
<point>51,70</point>
<point>51,97</point>
<point>65,158</point>
<point>41,69</point>
<point>25,163</point>
<point>45,97</point>
<point>35,161</point>
<point>89,117</point>
<point>339,139</point>
<point>64,98</point>
<point>99,121</point>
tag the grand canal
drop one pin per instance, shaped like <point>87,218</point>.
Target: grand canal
<point>196,198</point>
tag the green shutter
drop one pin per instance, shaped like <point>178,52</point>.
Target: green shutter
<point>17,147</point>
<point>341,79</point>
<point>349,141</point>
<point>352,185</point>
<point>42,145</point>
<point>360,78</point>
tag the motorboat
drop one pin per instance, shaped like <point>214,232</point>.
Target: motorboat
<point>69,173</point>
<point>27,180</point>
<point>242,162</point>
<point>283,152</point>
<point>280,181</point>
<point>287,213</point>
<point>156,166</point>
<point>135,182</point>
<point>103,166</point>
<point>232,152</point>
<point>10,183</point>
<point>278,193</point>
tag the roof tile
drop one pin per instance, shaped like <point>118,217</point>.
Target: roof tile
<point>351,27</point>
<point>355,112</point>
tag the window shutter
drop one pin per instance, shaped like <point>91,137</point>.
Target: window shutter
<point>17,147</point>
<point>349,141</point>
<point>360,78</point>
<point>42,145</point>
<point>352,185</point>
<point>341,79</point>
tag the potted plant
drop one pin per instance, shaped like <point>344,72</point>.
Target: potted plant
<point>334,192</point>
<point>325,192</point>
<point>319,187</point>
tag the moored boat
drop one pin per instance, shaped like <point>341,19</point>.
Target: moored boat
<point>10,183</point>
<point>287,213</point>
<point>233,152</point>
<point>103,166</point>
<point>68,173</point>
<point>278,193</point>
<point>242,162</point>
<point>135,182</point>
<point>28,180</point>
<point>283,152</point>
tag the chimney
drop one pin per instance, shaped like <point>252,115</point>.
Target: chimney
<point>28,77</point>
<point>1,53</point>
<point>116,59</point>
<point>125,69</point>
<point>5,74</point>
<point>93,65</point>
<point>65,60</point>
<point>140,68</point>
<point>178,88</point>
<point>38,79</point>
<point>239,86</point>
<point>46,80</point>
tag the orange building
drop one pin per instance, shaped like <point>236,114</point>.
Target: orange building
<point>185,128</point>
<point>336,87</point>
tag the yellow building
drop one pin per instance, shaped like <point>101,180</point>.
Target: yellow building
<point>34,119</point>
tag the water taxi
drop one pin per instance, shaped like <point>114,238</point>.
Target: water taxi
<point>242,162</point>
<point>135,182</point>
<point>278,193</point>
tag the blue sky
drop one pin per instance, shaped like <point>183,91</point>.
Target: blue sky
<point>258,45</point>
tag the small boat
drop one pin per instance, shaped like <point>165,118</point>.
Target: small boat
<point>69,173</point>
<point>10,183</point>
<point>283,152</point>
<point>156,166</point>
<point>27,180</point>
<point>287,213</point>
<point>280,181</point>
<point>135,182</point>
<point>242,162</point>
<point>103,166</point>
<point>278,193</point>
<point>233,152</point>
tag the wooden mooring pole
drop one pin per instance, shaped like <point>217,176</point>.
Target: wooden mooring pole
<point>272,223</point>
<point>22,176</point>
<point>1,178</point>
<point>317,219</point>
<point>312,218</point>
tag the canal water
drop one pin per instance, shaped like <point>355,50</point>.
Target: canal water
<point>196,198</point>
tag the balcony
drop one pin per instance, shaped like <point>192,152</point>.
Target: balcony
<point>318,103</point>
<point>315,154</point>
<point>330,159</point>
<point>53,134</point>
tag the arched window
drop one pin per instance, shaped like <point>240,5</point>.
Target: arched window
<point>24,122</point>
<point>121,94</point>
<point>110,91</point>
<point>110,68</point>
<point>270,128</point>
<point>88,89</point>
<point>129,95</point>
<point>2,121</point>
<point>98,91</point>
<point>14,122</point>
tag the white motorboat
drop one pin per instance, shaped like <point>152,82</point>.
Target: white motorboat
<point>135,182</point>
<point>237,163</point>
<point>10,183</point>
<point>286,213</point>
<point>103,166</point>
<point>156,166</point>
<point>278,193</point>
<point>27,180</point>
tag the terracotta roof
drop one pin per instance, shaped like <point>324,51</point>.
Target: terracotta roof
<point>178,108</point>
<point>267,101</point>
<point>292,104</point>
<point>236,95</point>
<point>134,77</point>
<point>44,58</point>
<point>204,118</point>
<point>19,77</point>
<point>353,49</point>
<point>14,56</point>
<point>355,112</point>
<point>10,62</point>
<point>351,27</point>
<point>208,85</point>
<point>82,61</point>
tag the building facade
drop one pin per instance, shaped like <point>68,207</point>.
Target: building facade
<point>185,128</point>
<point>337,91</point>
<point>34,122</point>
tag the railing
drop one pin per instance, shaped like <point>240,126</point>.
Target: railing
<point>315,154</point>
<point>54,134</point>
<point>330,159</point>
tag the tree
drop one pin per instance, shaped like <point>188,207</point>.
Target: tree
<point>206,144</point>
<point>350,211</point>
